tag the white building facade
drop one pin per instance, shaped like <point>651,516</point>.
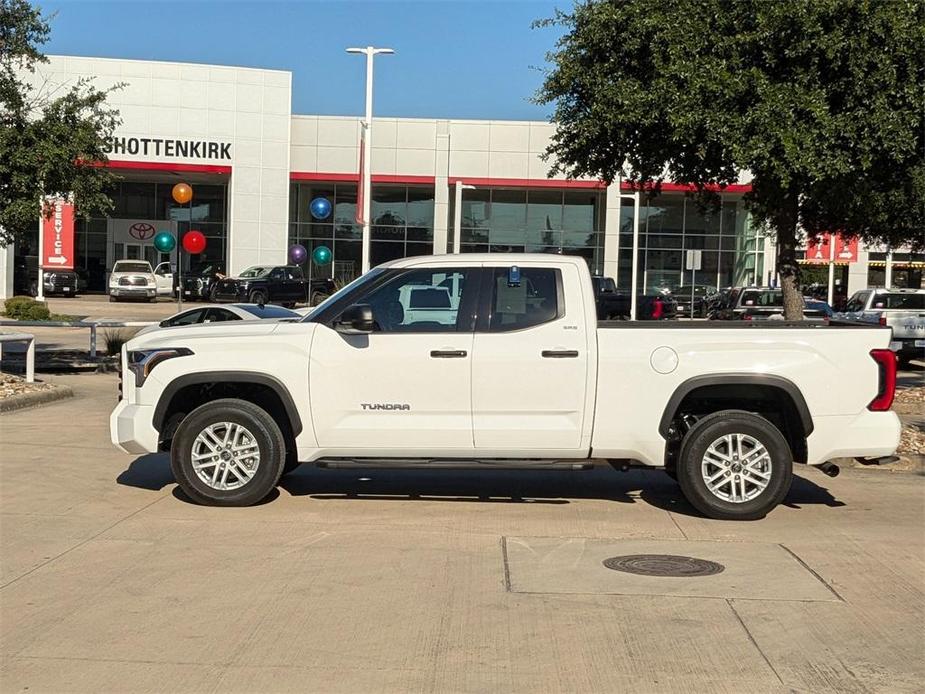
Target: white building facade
<point>255,169</point>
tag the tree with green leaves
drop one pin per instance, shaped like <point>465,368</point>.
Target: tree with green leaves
<point>822,101</point>
<point>52,136</point>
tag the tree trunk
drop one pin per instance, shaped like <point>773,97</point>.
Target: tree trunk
<point>785,223</point>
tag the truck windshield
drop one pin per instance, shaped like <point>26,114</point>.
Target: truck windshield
<point>131,267</point>
<point>343,291</point>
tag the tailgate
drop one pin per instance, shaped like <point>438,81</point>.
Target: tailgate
<point>907,325</point>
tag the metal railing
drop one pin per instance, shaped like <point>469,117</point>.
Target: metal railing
<point>92,326</point>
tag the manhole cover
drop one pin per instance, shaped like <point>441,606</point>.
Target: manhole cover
<point>663,565</point>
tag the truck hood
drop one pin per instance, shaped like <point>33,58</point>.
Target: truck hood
<point>187,335</point>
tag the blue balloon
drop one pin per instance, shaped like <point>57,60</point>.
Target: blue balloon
<point>320,208</point>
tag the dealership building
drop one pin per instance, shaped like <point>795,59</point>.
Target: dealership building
<point>255,168</point>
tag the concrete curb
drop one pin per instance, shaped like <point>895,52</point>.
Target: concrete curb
<point>23,401</point>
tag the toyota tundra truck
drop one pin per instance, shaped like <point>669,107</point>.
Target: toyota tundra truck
<point>491,361</point>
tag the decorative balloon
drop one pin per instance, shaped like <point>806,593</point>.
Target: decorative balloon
<point>165,242</point>
<point>297,254</point>
<point>194,242</point>
<point>320,208</point>
<point>182,193</point>
<point>322,255</point>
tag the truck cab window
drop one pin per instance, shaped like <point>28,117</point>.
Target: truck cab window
<point>419,301</point>
<point>536,300</point>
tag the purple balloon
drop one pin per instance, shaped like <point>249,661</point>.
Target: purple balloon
<point>297,254</point>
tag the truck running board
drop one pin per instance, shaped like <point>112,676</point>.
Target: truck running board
<point>454,464</point>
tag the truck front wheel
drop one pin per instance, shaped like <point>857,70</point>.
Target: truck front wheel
<point>734,465</point>
<point>227,452</point>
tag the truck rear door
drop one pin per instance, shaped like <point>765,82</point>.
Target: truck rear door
<point>530,360</point>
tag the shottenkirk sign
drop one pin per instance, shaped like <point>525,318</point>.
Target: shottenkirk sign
<point>161,147</point>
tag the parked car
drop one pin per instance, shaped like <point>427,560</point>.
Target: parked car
<point>525,375</point>
<point>278,284</point>
<point>199,283</point>
<point>692,299</point>
<point>132,279</point>
<point>903,310</point>
<point>223,313</point>
<point>761,303</point>
<point>615,304</point>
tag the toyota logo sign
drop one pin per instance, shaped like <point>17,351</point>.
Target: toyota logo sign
<point>141,231</point>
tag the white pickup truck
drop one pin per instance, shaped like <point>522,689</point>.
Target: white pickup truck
<point>902,310</point>
<point>499,360</point>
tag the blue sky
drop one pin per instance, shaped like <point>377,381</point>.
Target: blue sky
<point>452,60</point>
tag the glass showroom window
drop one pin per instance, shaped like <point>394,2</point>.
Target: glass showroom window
<point>499,220</point>
<point>401,224</point>
<point>671,225</point>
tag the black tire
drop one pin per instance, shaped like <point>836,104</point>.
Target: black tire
<point>266,433</point>
<point>706,432</point>
<point>258,296</point>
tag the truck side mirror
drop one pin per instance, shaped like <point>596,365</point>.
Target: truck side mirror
<point>356,320</point>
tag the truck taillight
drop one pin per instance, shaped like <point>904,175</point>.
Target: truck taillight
<point>658,308</point>
<point>746,316</point>
<point>882,319</point>
<point>886,389</point>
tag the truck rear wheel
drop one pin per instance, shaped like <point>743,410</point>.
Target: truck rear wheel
<point>735,465</point>
<point>227,452</point>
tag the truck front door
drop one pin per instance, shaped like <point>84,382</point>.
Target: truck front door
<point>530,361</point>
<point>405,388</point>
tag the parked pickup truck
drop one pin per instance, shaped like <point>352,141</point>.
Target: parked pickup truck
<point>280,284</point>
<point>616,304</point>
<point>504,363</point>
<point>903,310</point>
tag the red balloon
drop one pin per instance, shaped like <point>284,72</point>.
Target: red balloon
<point>194,242</point>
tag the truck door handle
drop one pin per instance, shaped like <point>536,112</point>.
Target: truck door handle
<point>560,353</point>
<point>448,353</point>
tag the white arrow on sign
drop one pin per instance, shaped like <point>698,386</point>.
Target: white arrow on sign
<point>57,260</point>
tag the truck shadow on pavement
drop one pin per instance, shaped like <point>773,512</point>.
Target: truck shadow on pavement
<point>653,487</point>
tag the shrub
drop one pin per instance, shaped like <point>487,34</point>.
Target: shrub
<point>114,340</point>
<point>26,308</point>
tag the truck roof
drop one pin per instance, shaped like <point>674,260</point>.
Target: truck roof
<point>502,259</point>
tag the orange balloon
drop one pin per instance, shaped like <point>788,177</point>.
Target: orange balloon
<point>182,193</point>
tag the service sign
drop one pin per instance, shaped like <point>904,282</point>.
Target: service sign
<point>58,235</point>
<point>846,250</point>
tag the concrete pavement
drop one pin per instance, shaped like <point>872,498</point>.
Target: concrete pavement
<point>397,581</point>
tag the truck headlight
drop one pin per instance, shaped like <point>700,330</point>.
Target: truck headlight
<point>142,361</point>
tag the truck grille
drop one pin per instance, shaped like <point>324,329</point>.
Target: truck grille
<point>60,280</point>
<point>133,281</point>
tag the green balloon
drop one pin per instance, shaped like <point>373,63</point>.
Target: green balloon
<point>322,255</point>
<point>165,242</point>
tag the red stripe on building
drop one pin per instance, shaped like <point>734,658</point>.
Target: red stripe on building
<point>628,186</point>
<point>527,183</point>
<point>355,178</point>
<point>161,166</point>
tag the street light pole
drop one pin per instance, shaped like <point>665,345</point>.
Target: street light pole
<point>366,181</point>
